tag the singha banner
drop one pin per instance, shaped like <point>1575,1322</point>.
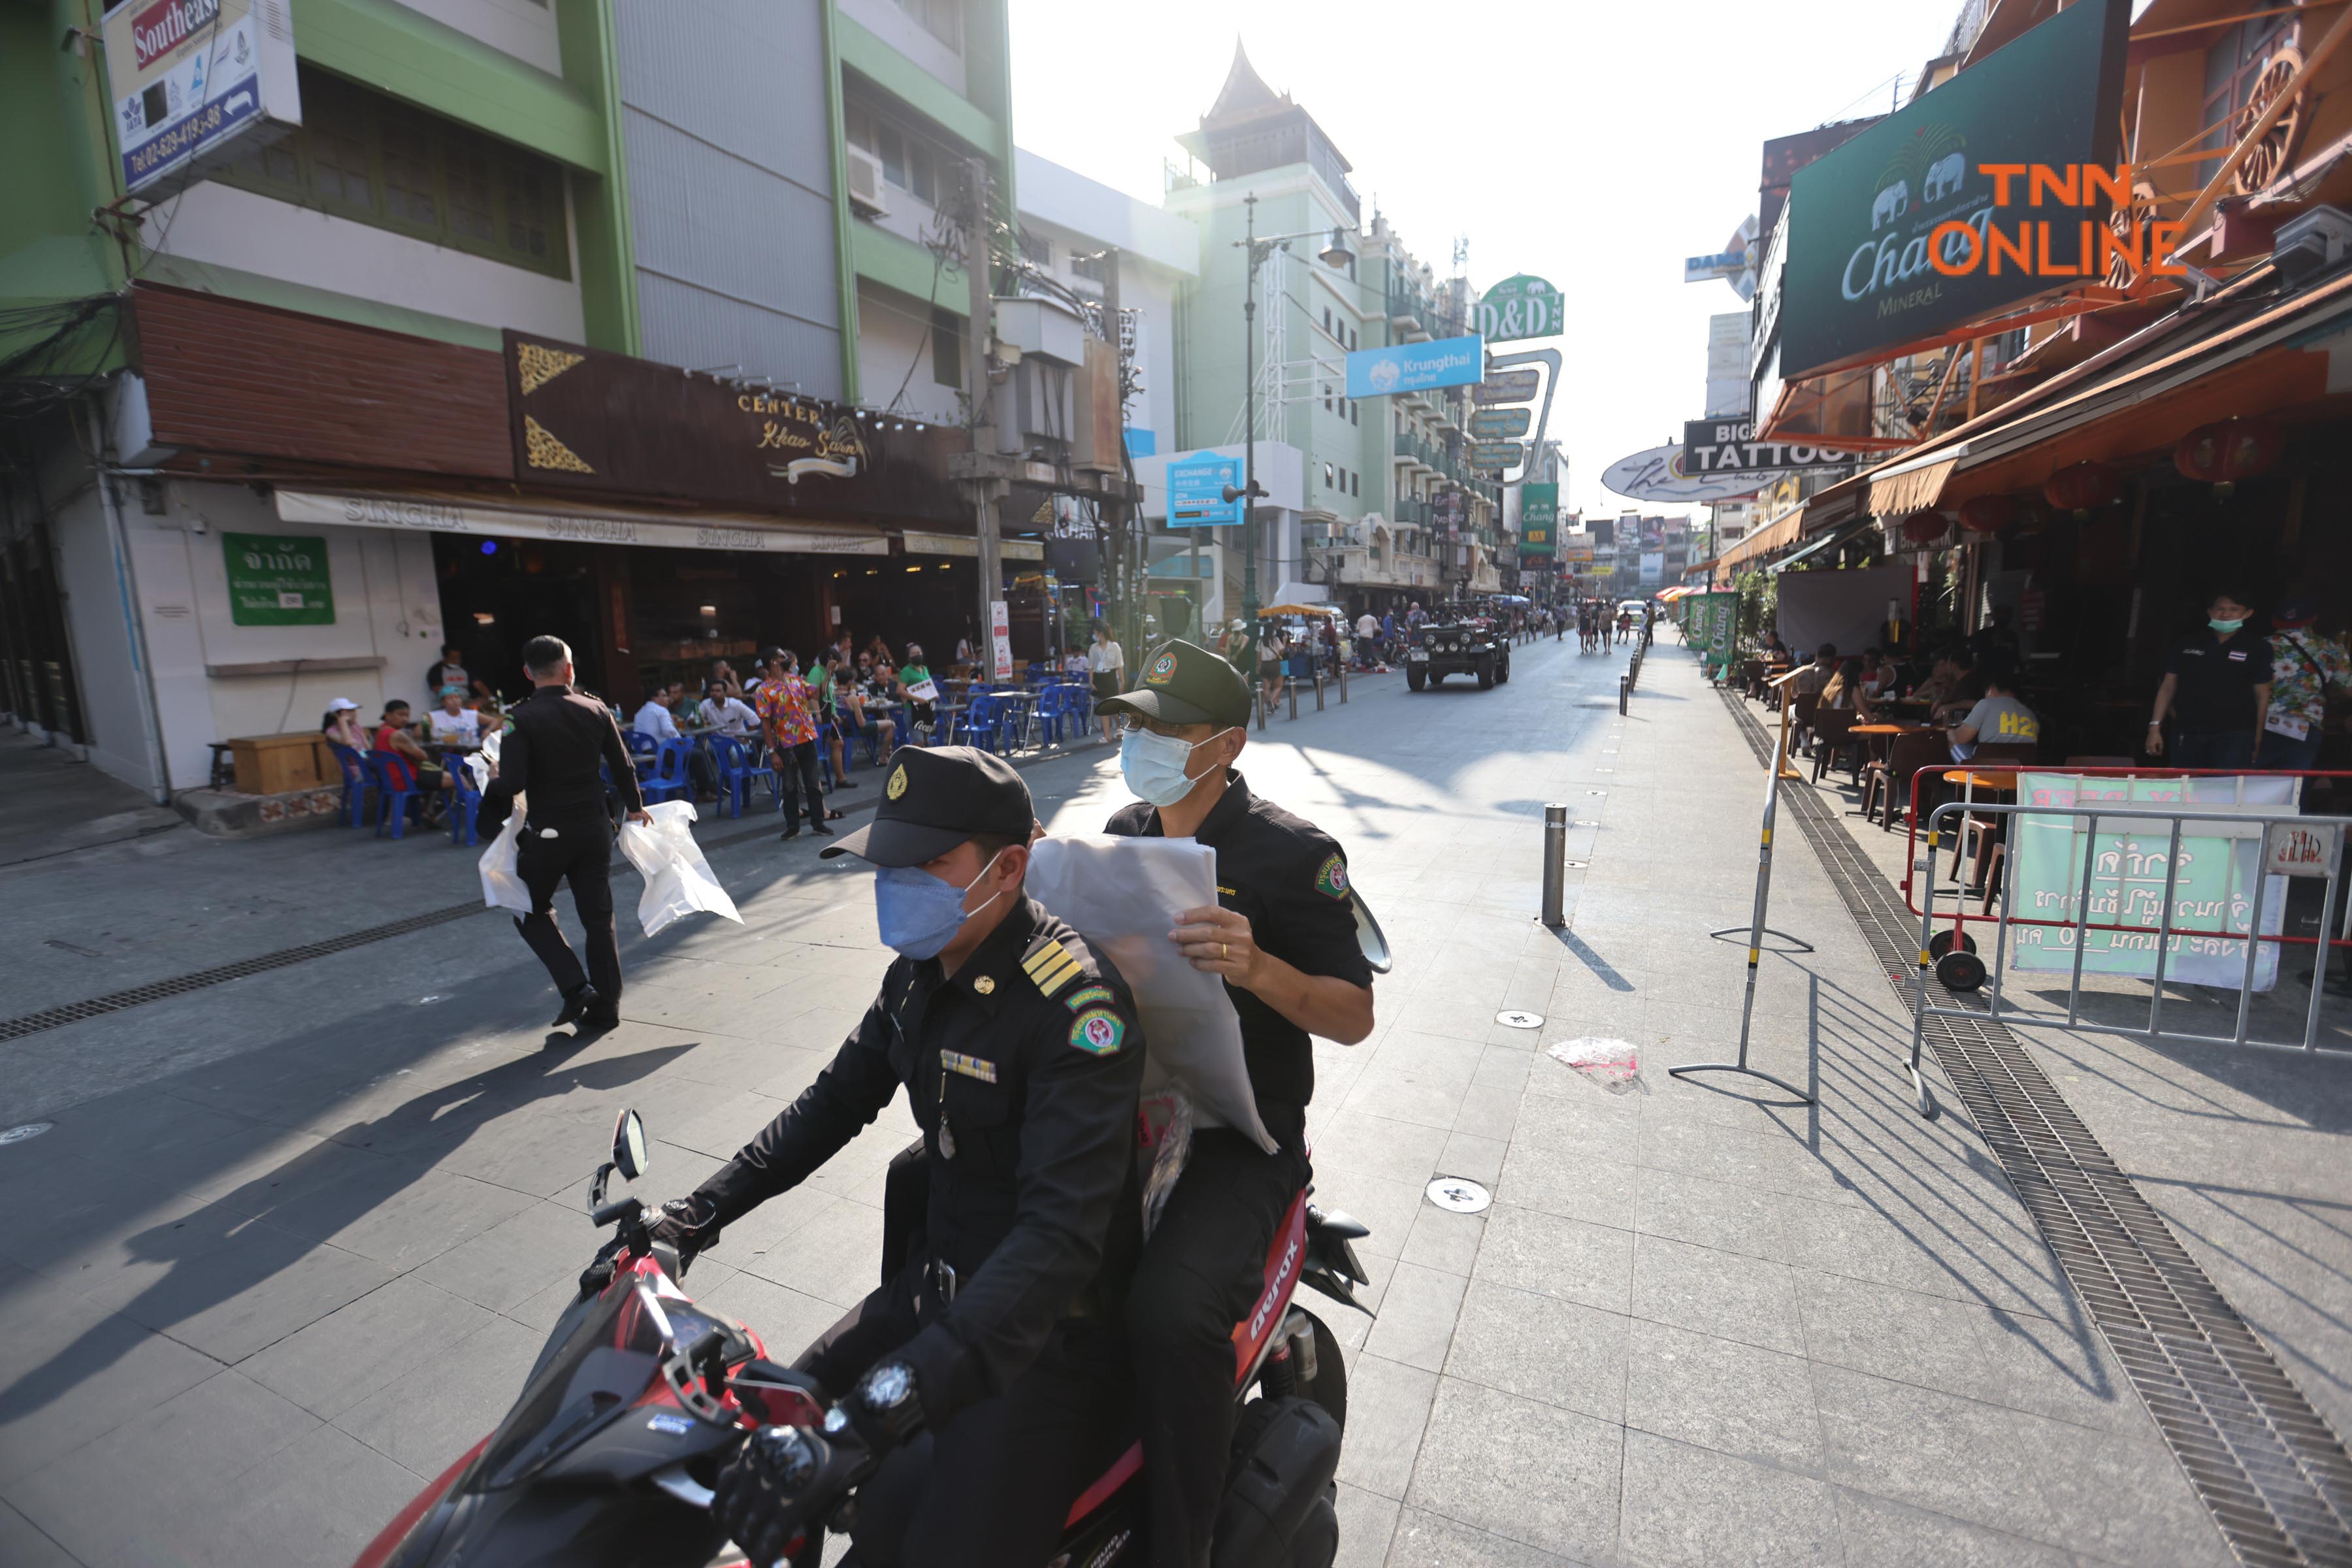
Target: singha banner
<point>1889,236</point>
<point>585,419</point>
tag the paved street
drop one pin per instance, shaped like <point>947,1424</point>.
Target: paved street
<point>294,1238</point>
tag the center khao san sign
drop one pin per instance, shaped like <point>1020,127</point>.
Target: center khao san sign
<point>1881,229</point>
<point>582,418</point>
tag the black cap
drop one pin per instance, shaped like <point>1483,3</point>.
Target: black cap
<point>1185,683</point>
<point>936,797</point>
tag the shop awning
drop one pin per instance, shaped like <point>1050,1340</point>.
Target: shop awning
<point>430,512</point>
<point>1763,542</point>
<point>1911,490</point>
<point>1829,541</point>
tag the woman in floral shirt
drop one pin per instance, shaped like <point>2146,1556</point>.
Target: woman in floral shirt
<point>2306,667</point>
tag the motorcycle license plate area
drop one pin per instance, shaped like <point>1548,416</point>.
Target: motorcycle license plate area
<point>1418,656</point>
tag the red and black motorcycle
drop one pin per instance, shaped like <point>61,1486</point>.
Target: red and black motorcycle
<point>641,1397</point>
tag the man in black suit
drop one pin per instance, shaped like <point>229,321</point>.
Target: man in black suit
<point>550,756</point>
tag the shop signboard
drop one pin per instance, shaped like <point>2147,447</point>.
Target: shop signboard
<point>1521,307</point>
<point>1536,539</point>
<point>583,419</point>
<point>1861,279</point>
<point>1494,456</point>
<point>1416,367</point>
<point>1713,618</point>
<point>1000,640</point>
<point>1657,474</point>
<point>1499,424</point>
<point>1654,567</point>
<point>1540,503</point>
<point>189,77</point>
<point>451,514</point>
<point>2213,884</point>
<point>278,580</point>
<point>1729,446</point>
<point>1504,386</point>
<point>1196,492</point>
<point>1577,551</point>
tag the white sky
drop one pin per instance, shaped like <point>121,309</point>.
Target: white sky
<point>1592,144</point>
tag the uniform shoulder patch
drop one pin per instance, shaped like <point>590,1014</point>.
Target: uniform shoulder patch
<point>1090,996</point>
<point>1051,967</point>
<point>1098,1031</point>
<point>1331,877</point>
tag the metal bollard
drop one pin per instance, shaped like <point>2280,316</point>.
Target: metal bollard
<point>1624,685</point>
<point>1555,868</point>
<point>1319,693</point>
<point>1343,685</point>
<point>1290,689</point>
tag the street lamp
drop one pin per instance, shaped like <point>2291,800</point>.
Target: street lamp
<point>1334,253</point>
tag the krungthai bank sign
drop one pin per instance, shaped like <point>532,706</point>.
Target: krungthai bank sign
<point>1870,221</point>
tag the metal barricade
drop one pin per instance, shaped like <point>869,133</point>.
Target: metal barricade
<point>2290,845</point>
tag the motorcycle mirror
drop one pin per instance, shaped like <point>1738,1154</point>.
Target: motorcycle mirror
<point>629,1146</point>
<point>1368,935</point>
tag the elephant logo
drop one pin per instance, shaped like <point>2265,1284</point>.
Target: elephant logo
<point>1891,203</point>
<point>1384,375</point>
<point>1944,178</point>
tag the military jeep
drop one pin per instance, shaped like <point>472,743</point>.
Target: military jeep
<point>1474,646</point>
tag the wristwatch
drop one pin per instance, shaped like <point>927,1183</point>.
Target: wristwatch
<point>887,1397</point>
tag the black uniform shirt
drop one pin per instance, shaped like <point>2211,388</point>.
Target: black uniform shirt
<point>1023,1067</point>
<point>1289,879</point>
<point>559,737</point>
<point>2216,694</point>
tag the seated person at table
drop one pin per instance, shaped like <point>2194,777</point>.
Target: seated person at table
<point>726,712</point>
<point>405,763</point>
<point>340,724</point>
<point>453,723</point>
<point>1946,688</point>
<point>912,674</point>
<point>658,718</point>
<point>852,689</point>
<point>1845,690</point>
<point>1998,717</point>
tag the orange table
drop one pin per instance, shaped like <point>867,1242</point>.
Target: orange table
<point>1992,781</point>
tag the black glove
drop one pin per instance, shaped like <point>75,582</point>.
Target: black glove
<point>774,1498</point>
<point>688,1224</point>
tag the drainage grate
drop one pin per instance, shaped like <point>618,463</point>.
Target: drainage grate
<point>2277,1479</point>
<point>115,1002</point>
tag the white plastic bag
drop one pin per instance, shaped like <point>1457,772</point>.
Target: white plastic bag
<point>482,764</point>
<point>1613,1064</point>
<point>677,879</point>
<point>502,886</point>
<point>1123,895</point>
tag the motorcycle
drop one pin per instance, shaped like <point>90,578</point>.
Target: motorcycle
<point>640,1398</point>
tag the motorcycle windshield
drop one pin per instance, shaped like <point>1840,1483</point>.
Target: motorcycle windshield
<point>604,1369</point>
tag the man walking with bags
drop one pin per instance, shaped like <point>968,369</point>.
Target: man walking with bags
<point>552,757</point>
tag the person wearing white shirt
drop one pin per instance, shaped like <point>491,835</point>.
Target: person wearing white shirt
<point>1108,661</point>
<point>655,718</point>
<point>727,713</point>
<point>453,722</point>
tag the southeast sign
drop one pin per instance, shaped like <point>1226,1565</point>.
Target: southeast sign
<point>1415,367</point>
<point>188,76</point>
<point>1499,424</point>
<point>1730,447</point>
<point>1521,307</point>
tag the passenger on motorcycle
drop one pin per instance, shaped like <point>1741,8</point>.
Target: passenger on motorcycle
<point>987,1375</point>
<point>1282,935</point>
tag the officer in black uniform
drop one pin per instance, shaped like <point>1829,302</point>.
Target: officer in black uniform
<point>999,1337</point>
<point>550,757</point>
<point>1283,934</point>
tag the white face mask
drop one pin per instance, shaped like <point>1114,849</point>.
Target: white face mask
<point>1155,764</point>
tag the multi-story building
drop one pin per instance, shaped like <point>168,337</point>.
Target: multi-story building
<point>1376,521</point>
<point>346,339</point>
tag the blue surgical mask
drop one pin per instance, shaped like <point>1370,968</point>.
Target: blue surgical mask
<point>2225,627</point>
<point>1154,765</point>
<point>918,914</point>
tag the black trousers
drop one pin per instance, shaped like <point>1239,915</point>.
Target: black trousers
<point>796,767</point>
<point>989,1486</point>
<point>1201,1274</point>
<point>581,854</point>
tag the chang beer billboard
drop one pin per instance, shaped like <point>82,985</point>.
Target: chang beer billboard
<point>1538,519</point>
<point>1888,234</point>
<point>186,77</point>
<point>1521,307</point>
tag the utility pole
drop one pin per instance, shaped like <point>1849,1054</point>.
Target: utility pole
<point>1249,436</point>
<point>1130,621</point>
<point>979,330</point>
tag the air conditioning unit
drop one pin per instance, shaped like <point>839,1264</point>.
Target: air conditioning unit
<point>867,191</point>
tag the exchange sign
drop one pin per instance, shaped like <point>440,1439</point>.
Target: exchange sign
<point>1196,492</point>
<point>1521,307</point>
<point>1498,423</point>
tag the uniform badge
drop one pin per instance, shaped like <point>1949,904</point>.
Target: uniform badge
<point>1331,882</point>
<point>897,785</point>
<point>1092,996</point>
<point>1098,1032</point>
<point>985,985</point>
<point>1162,671</point>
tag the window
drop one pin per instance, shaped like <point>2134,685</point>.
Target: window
<point>943,19</point>
<point>1329,481</point>
<point>2234,64</point>
<point>1094,266</point>
<point>891,148</point>
<point>361,155</point>
<point>1354,409</point>
<point>1356,484</point>
<point>1037,249</point>
<point>1327,318</point>
<point>947,347</point>
<point>921,169</point>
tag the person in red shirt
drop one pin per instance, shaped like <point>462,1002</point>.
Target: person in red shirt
<point>788,719</point>
<point>404,761</point>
